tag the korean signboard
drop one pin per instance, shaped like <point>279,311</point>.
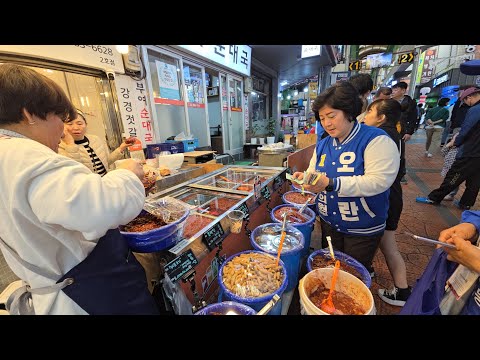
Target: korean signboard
<point>134,110</point>
<point>104,57</point>
<point>235,57</point>
<point>428,66</point>
<point>311,50</point>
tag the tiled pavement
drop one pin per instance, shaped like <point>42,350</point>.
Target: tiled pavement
<point>423,175</point>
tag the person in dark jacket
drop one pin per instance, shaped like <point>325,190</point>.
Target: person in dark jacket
<point>409,116</point>
<point>384,114</point>
<point>466,166</point>
<point>459,112</point>
<point>436,116</point>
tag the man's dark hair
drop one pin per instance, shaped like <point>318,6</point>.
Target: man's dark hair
<point>362,82</point>
<point>385,90</point>
<point>391,108</point>
<point>341,96</point>
<point>401,85</point>
<point>24,88</point>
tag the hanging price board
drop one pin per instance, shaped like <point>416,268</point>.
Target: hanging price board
<point>265,192</point>
<point>181,265</point>
<point>212,236</point>
<point>244,208</point>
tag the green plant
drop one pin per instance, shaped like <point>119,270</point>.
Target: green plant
<point>271,125</point>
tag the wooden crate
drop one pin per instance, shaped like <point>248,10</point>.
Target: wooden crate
<point>305,140</point>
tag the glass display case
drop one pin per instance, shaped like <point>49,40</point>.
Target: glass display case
<point>212,196</point>
<point>207,231</point>
<point>235,179</point>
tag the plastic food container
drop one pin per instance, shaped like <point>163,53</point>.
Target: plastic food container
<point>297,198</point>
<point>344,259</point>
<point>258,302</point>
<point>305,227</point>
<point>346,284</point>
<point>266,238</point>
<point>171,213</point>
<point>226,308</point>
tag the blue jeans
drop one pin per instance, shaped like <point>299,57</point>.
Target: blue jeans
<point>445,133</point>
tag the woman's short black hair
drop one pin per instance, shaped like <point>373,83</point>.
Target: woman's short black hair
<point>24,88</point>
<point>341,96</point>
<point>391,108</point>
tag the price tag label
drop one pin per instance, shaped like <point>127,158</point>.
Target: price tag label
<point>212,236</point>
<point>181,265</point>
<point>278,181</point>
<point>265,192</point>
<point>244,208</point>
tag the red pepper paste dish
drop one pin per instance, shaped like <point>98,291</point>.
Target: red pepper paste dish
<point>296,197</point>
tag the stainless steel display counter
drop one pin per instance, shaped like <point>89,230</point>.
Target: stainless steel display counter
<point>206,232</point>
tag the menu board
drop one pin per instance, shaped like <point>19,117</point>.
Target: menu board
<point>181,265</point>
<point>244,208</point>
<point>212,236</point>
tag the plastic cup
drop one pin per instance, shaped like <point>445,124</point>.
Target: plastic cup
<point>236,221</point>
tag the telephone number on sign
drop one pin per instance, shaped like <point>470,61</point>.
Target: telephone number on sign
<point>98,48</point>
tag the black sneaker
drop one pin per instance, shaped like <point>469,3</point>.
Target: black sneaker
<point>461,206</point>
<point>396,296</point>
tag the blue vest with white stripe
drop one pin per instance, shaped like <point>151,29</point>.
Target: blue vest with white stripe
<point>359,216</point>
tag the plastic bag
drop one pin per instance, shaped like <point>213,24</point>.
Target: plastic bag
<point>430,288</point>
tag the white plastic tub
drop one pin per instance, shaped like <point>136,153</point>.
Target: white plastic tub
<point>346,283</point>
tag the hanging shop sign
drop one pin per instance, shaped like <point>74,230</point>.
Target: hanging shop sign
<point>134,110</point>
<point>406,58</point>
<point>440,80</point>
<point>103,57</point>
<point>312,90</point>
<point>311,50</point>
<point>428,66</point>
<point>355,65</point>
<point>235,57</point>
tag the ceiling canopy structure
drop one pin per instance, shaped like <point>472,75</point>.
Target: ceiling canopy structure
<point>287,61</point>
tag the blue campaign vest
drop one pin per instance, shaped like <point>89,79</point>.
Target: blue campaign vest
<point>359,216</point>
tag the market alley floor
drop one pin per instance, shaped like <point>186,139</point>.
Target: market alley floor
<point>423,175</point>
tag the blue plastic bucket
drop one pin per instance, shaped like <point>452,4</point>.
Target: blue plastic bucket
<point>310,206</point>
<point>306,228</point>
<point>256,303</point>
<point>225,307</point>
<point>347,259</point>
<point>156,239</point>
<point>261,239</point>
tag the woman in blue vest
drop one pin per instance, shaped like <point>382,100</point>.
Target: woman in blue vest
<point>360,163</point>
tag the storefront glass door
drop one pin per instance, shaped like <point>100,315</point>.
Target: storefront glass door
<point>235,120</point>
<point>225,113</point>
<point>195,90</point>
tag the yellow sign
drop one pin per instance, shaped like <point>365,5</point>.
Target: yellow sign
<point>420,68</point>
<point>355,66</point>
<point>406,58</point>
<point>312,90</point>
